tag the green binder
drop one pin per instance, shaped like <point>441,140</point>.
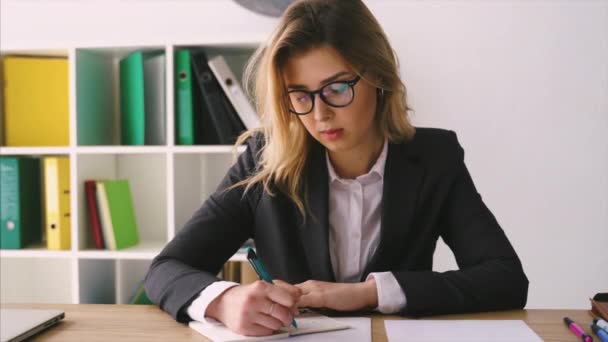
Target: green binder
<point>122,213</point>
<point>132,99</point>
<point>140,296</point>
<point>20,202</point>
<point>184,129</point>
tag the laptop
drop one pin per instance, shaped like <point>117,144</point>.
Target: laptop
<point>19,324</point>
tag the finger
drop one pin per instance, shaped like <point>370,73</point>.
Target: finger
<point>293,290</point>
<point>281,296</point>
<point>311,300</point>
<point>268,322</point>
<point>307,286</point>
<point>275,310</point>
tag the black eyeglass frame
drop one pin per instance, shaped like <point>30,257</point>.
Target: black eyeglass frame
<point>311,95</point>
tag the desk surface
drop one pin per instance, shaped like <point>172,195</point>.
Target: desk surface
<point>91,322</point>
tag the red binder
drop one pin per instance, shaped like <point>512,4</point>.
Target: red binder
<point>90,189</point>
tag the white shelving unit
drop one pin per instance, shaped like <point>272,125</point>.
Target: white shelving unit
<point>168,183</point>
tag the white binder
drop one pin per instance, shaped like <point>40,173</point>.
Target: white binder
<point>234,92</point>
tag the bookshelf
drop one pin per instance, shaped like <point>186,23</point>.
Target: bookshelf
<point>168,182</point>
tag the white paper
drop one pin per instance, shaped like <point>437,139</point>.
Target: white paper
<point>311,324</point>
<point>459,330</point>
<point>360,331</point>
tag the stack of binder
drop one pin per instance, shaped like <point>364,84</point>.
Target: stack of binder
<point>35,202</point>
<point>142,98</point>
<point>111,214</point>
<point>211,107</point>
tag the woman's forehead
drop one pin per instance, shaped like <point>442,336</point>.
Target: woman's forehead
<point>311,67</point>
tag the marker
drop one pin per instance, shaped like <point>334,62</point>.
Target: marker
<point>601,323</point>
<point>600,332</point>
<point>577,330</point>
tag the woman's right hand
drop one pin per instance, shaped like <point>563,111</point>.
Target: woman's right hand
<point>256,309</point>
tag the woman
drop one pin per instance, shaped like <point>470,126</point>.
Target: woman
<point>344,198</point>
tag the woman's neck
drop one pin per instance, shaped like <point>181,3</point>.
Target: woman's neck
<point>357,161</point>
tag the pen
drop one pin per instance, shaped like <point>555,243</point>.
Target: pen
<point>577,330</point>
<point>599,332</point>
<point>258,267</point>
<point>601,323</point>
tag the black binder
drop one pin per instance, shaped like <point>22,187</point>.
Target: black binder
<point>215,120</point>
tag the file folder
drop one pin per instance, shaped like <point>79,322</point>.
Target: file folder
<point>20,202</point>
<point>36,110</point>
<point>57,202</point>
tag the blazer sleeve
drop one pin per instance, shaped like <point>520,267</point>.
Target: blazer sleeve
<point>490,275</point>
<point>191,261</point>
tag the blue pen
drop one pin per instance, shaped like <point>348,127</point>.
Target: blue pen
<point>603,335</point>
<point>258,267</point>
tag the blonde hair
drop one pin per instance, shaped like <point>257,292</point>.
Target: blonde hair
<point>351,29</point>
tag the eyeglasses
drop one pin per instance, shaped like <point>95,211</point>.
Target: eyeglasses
<point>336,94</point>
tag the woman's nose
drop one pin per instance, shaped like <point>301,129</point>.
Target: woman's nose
<point>321,111</point>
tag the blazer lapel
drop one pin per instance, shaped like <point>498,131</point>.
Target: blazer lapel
<point>314,233</point>
<point>403,176</point>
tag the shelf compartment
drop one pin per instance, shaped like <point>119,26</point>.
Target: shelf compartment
<point>147,176</point>
<point>98,95</point>
<point>196,177</point>
<point>110,281</point>
<point>47,280</point>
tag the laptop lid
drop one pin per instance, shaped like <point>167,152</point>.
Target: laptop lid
<point>19,324</point>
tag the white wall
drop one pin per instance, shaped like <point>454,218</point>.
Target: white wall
<point>523,83</point>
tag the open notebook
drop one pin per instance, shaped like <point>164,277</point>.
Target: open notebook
<point>308,323</point>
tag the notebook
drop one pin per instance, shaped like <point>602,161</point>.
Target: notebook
<point>19,324</point>
<point>308,323</point>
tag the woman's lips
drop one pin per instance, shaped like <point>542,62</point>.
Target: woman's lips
<point>332,134</point>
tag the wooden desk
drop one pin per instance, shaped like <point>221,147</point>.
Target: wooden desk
<point>90,322</point>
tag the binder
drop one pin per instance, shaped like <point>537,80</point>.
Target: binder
<point>117,214</point>
<point>233,90</point>
<point>93,213</point>
<point>36,110</point>
<point>184,130</point>
<point>139,296</point>
<point>154,94</point>
<point>57,202</point>
<point>216,111</point>
<point>20,202</point>
<point>132,99</point>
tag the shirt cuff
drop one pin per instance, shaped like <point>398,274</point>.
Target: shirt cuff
<point>198,309</point>
<point>391,298</point>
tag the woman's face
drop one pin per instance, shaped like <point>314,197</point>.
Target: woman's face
<point>338,129</point>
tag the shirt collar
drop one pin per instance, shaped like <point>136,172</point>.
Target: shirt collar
<point>377,168</point>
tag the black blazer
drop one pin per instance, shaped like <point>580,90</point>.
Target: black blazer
<point>428,193</point>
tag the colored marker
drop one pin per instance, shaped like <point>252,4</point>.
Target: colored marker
<point>577,330</point>
<point>601,323</point>
<point>600,333</point>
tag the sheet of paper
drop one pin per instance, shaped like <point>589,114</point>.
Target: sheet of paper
<point>360,331</point>
<point>309,324</point>
<point>459,330</point>
<point>219,333</point>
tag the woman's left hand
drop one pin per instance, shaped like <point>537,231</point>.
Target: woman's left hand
<point>338,296</point>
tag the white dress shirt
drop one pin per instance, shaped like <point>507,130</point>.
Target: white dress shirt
<point>355,213</point>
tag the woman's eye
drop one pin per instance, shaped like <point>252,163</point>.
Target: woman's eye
<point>338,88</point>
<point>303,99</point>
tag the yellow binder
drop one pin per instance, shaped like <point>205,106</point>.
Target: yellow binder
<point>36,110</point>
<point>57,202</point>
